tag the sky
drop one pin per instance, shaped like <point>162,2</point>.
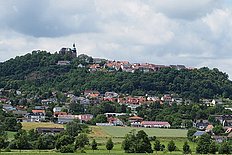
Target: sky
<point>195,33</point>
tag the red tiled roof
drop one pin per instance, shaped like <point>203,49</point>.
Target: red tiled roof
<point>135,118</point>
<point>154,123</point>
<point>38,111</point>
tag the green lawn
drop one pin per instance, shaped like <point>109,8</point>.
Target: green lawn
<point>115,131</point>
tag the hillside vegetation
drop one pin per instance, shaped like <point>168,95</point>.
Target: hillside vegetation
<point>38,72</point>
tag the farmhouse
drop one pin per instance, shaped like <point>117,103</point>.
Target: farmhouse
<point>155,124</point>
<point>49,130</point>
<point>69,118</point>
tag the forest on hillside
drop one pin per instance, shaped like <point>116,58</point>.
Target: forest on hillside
<point>38,71</point>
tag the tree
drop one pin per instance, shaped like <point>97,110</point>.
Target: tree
<point>94,145</point>
<point>46,141</point>
<point>33,135</point>
<point>81,141</point>
<point>186,148</point>
<point>101,118</point>
<point>190,134</point>
<point>11,124</point>
<point>157,145</point>
<point>129,144</point>
<point>137,143</point>
<point>3,142</point>
<point>64,140</point>
<point>109,144</point>
<point>203,144</point>
<point>171,146</point>
<point>218,129</point>
<point>67,148</point>
<point>224,148</point>
<point>213,148</point>
<point>21,140</point>
<point>74,128</point>
<point>162,147</point>
<point>39,143</point>
<point>143,143</point>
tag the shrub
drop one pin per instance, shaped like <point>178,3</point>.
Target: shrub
<point>67,149</point>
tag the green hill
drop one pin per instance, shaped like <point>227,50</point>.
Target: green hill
<point>38,71</point>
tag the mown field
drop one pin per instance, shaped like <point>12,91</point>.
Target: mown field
<point>114,131</point>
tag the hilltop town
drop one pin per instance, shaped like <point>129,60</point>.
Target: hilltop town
<point>64,88</point>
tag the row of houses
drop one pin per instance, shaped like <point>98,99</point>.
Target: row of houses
<point>128,67</point>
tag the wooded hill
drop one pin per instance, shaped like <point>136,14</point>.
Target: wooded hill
<point>38,71</point>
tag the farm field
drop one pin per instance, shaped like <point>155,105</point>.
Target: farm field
<point>33,125</point>
<point>115,131</point>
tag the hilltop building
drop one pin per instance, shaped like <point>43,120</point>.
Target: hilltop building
<point>69,51</point>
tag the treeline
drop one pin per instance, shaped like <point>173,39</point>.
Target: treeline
<point>38,72</point>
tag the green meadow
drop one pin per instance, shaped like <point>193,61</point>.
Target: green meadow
<point>102,133</point>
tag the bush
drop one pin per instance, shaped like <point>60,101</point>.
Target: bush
<point>7,149</point>
<point>67,149</point>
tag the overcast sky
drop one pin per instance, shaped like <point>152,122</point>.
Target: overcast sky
<point>195,33</point>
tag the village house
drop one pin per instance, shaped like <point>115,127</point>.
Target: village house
<point>132,100</point>
<point>94,67</point>
<point>91,94</point>
<point>135,121</point>
<point>63,119</point>
<point>3,100</point>
<point>115,121</point>
<point>85,117</point>
<point>178,101</point>
<point>216,102</point>
<point>209,128</point>
<point>155,124</point>
<point>178,67</point>
<point>225,120</point>
<point>199,133</point>
<point>63,63</point>
<point>111,94</point>
<point>57,109</point>
<point>167,98</point>
<point>153,98</point>
<point>8,108</point>
<point>48,101</point>
<point>36,116</point>
<point>43,130</point>
<point>201,124</point>
<point>56,114</point>
<point>114,114</point>
<point>207,102</point>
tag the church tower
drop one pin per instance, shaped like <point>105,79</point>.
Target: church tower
<point>74,51</point>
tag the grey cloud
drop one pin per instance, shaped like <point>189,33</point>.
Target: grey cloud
<point>43,19</point>
<point>167,32</point>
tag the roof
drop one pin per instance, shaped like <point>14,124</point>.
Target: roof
<point>230,135</point>
<point>38,111</point>
<point>154,123</point>
<point>199,133</point>
<point>135,118</point>
<point>209,127</point>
